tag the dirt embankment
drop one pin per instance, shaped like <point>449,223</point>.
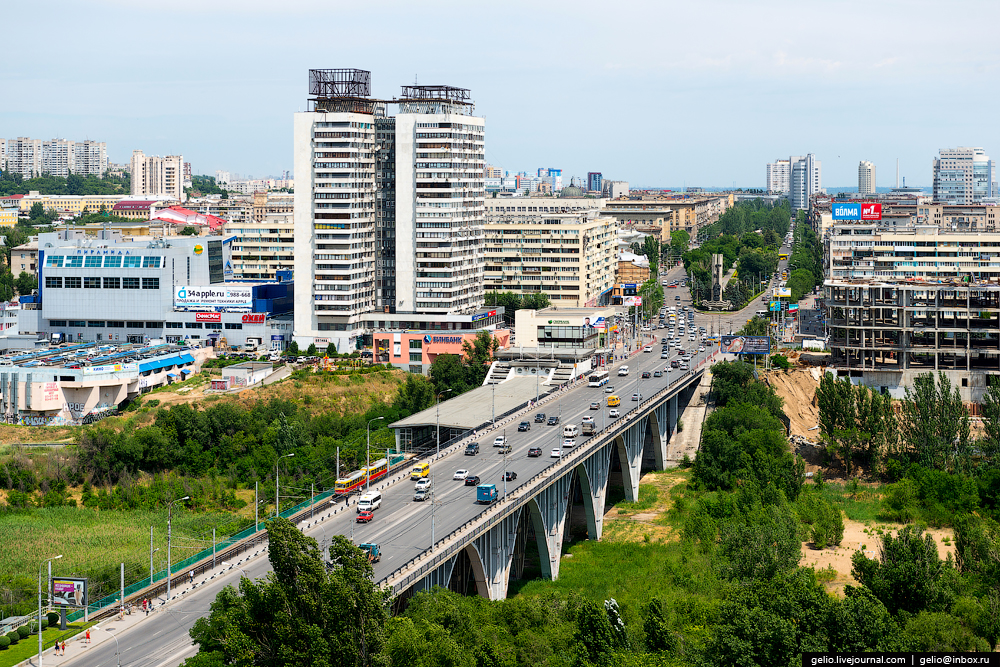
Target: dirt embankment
<point>797,388</point>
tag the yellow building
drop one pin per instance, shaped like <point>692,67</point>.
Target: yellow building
<point>8,216</point>
<point>70,203</point>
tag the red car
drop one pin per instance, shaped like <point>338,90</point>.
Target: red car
<point>364,516</point>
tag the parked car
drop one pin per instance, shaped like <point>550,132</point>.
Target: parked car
<point>364,516</point>
<point>461,474</point>
<point>524,426</point>
<point>535,451</point>
<point>540,418</point>
<point>472,480</point>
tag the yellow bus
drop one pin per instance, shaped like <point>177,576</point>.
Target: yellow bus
<point>782,255</point>
<point>614,401</point>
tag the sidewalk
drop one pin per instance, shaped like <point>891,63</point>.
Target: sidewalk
<point>693,418</point>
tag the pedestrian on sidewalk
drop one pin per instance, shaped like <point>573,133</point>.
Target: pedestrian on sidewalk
<point>63,647</point>
<point>88,635</point>
<point>191,577</point>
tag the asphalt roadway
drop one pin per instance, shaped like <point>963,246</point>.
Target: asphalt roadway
<point>402,527</point>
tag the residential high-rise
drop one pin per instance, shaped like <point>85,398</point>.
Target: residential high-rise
<point>805,180</point>
<point>24,156</point>
<point>90,158</point>
<point>154,176</point>
<point>58,157</point>
<point>866,178</point>
<point>595,180</point>
<point>963,176</point>
<point>779,175</point>
<point>388,209</point>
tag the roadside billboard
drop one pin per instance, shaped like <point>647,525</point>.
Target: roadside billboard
<point>111,368</point>
<point>69,591</point>
<point>774,306</point>
<point>782,292</point>
<point>213,296</point>
<point>856,211</point>
<point>746,345</point>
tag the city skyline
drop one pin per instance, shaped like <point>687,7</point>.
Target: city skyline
<point>710,101</point>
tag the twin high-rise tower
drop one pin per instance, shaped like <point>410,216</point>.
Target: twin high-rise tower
<point>389,209</point>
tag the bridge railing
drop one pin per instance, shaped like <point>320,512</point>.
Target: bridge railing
<point>522,495</point>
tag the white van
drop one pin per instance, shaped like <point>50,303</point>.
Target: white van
<point>370,501</point>
<point>570,431</point>
<point>623,370</point>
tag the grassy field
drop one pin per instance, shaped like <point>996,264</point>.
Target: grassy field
<point>93,544</point>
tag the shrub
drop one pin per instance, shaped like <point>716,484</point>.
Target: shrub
<point>53,617</point>
<point>4,642</point>
<point>23,632</point>
<point>780,361</point>
<point>13,637</point>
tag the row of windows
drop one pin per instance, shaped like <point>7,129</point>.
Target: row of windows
<point>117,324</point>
<point>73,282</point>
<point>98,261</point>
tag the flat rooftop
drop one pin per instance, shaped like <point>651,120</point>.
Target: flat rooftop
<point>83,355</point>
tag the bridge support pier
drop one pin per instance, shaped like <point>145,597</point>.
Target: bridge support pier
<point>548,517</point>
<point>665,420</point>
<point>439,577</point>
<point>630,454</point>
<point>594,478</point>
<point>496,552</point>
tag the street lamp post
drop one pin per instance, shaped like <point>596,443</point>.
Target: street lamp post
<point>170,509</point>
<point>277,498</point>
<point>47,560</point>
<point>151,552</point>
<point>118,653</point>
<point>368,456</point>
<point>224,563</point>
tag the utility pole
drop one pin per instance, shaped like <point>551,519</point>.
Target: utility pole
<point>170,509</point>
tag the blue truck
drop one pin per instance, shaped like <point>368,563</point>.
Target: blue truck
<point>486,493</point>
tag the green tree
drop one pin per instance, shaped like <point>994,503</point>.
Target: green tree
<point>331,350</point>
<point>416,394</point>
<point>989,443</point>
<point>302,613</point>
<point>447,372</point>
<point>478,357</point>
<point>594,637</point>
<point>26,283</point>
<point>293,349</point>
<point>908,575</point>
<point>860,622</point>
<point>311,351</point>
<point>936,424</point>
<point>189,231</point>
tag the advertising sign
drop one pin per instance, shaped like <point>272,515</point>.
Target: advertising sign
<point>871,211</point>
<point>846,211</point>
<point>793,307</point>
<point>628,301</point>
<point>856,211</point>
<point>783,291</point>
<point>277,337</point>
<point>483,316</point>
<point>111,368</point>
<point>774,306</point>
<point>254,318</point>
<point>746,344</point>
<point>69,591</point>
<point>50,391</point>
<point>208,317</point>
<point>214,296</point>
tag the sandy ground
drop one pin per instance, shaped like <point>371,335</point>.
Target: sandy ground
<point>856,535</point>
<point>798,389</point>
<point>622,525</point>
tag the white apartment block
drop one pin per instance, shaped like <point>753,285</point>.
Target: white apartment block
<point>155,176</point>
<point>866,178</point>
<point>963,176</point>
<point>24,156</point>
<point>614,189</point>
<point>779,175</point>
<point>91,157</point>
<point>571,257</point>
<point>504,209</point>
<point>388,209</point>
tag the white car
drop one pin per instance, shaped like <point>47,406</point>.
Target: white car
<point>648,348</point>
<point>701,349</point>
<point>567,443</point>
<point>587,419</point>
<point>461,474</point>
<point>423,485</point>
<point>614,413</point>
<point>556,453</point>
<point>500,441</point>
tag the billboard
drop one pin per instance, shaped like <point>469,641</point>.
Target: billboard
<point>219,296</point>
<point>774,306</point>
<point>69,591</point>
<point>746,344</point>
<point>783,292</point>
<point>208,317</point>
<point>594,321</point>
<point>111,368</point>
<point>856,211</point>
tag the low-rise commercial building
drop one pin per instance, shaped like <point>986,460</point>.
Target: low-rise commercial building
<point>415,351</point>
<point>571,328</point>
<point>570,257</point>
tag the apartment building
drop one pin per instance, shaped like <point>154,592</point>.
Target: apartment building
<point>571,257</point>
<point>904,300</point>
<point>158,177</point>
<point>24,156</point>
<point>25,258</point>
<point>57,157</point>
<point>779,174</point>
<point>389,209</point>
<point>500,209</point>
<point>866,178</point>
<point>265,244</point>
<point>614,189</point>
<point>963,176</point>
<point>805,180</point>
<point>663,215</point>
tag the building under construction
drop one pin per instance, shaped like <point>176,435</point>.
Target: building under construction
<point>906,301</point>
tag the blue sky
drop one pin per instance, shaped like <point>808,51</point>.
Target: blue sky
<point>655,93</point>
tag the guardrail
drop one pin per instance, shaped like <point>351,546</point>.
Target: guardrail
<point>520,496</point>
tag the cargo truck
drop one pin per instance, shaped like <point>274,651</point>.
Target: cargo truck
<point>486,494</point>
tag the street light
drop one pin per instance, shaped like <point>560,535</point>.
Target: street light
<point>237,567</point>
<point>369,455</point>
<point>437,418</point>
<point>118,653</point>
<point>277,498</point>
<point>47,560</point>
<point>170,508</point>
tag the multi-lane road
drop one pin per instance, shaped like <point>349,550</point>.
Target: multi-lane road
<point>403,527</point>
